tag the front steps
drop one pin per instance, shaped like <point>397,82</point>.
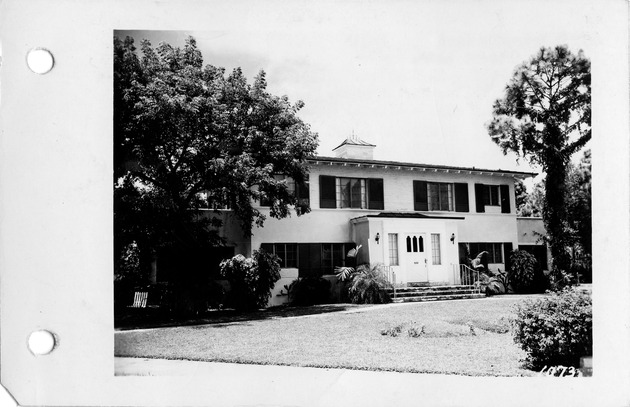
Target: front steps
<point>434,293</point>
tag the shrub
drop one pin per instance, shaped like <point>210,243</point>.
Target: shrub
<point>251,279</point>
<point>560,279</point>
<point>583,268</point>
<point>415,332</point>
<point>526,275</point>
<point>392,331</point>
<point>185,299</point>
<point>309,291</point>
<point>523,269</point>
<point>555,330</point>
<point>367,285</point>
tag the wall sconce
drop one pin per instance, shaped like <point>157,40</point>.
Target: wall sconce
<point>453,238</point>
<point>377,238</point>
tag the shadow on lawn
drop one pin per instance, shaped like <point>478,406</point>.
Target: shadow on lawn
<point>154,318</point>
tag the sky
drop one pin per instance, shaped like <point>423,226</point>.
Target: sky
<point>415,78</point>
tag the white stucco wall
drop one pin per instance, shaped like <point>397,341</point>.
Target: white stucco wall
<point>530,230</point>
<point>279,292</point>
<point>334,226</point>
<point>379,252</point>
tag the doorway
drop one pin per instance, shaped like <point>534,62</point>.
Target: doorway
<point>416,258</point>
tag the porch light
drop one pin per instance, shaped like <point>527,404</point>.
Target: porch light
<point>453,238</point>
<point>377,238</point>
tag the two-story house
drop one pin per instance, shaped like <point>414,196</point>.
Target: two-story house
<point>419,221</point>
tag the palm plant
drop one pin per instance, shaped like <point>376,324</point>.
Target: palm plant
<point>366,284</point>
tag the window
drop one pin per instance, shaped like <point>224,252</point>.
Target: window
<point>312,259</point>
<point>495,251</point>
<point>351,193</point>
<point>415,244</point>
<point>287,253</point>
<point>393,249</point>
<point>333,255</point>
<point>361,193</point>
<point>491,195</point>
<point>299,190</point>
<point>435,249</point>
<point>440,196</point>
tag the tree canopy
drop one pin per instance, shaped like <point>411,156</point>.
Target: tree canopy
<point>545,117</point>
<point>189,135</point>
<point>545,114</point>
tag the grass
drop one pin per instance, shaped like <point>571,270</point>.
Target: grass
<point>452,337</point>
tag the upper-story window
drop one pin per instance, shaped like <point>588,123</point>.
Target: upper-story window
<point>300,190</point>
<point>492,195</point>
<point>360,193</point>
<point>351,193</point>
<point>440,196</point>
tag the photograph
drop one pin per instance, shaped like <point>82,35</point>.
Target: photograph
<point>314,203</point>
<point>386,187</point>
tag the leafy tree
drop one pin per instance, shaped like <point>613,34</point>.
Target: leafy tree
<point>188,135</point>
<point>545,116</point>
<point>534,201</point>
<point>579,203</point>
<point>521,195</point>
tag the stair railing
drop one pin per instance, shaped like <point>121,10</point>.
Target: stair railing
<point>469,276</point>
<point>391,276</point>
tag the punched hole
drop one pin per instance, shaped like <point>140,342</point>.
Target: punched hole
<point>41,342</point>
<point>40,60</point>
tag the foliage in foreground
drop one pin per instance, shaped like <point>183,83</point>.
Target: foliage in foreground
<point>555,330</point>
<point>525,275</point>
<point>190,136</point>
<point>251,279</point>
<point>309,291</point>
<point>366,284</point>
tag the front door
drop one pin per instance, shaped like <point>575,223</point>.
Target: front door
<point>417,265</point>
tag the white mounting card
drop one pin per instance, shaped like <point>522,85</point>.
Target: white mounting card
<point>56,205</point>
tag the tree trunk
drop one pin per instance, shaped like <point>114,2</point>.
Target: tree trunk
<point>554,212</point>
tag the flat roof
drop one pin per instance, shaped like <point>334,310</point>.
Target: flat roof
<point>320,160</point>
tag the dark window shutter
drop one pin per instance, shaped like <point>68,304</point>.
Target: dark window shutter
<point>479,202</point>
<point>309,260</point>
<point>304,266</point>
<point>327,192</point>
<point>505,199</point>
<point>507,251</point>
<point>420,199</point>
<point>315,260</point>
<point>461,197</point>
<point>303,195</point>
<point>463,253</point>
<point>375,193</point>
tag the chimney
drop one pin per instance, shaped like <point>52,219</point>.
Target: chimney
<point>354,147</point>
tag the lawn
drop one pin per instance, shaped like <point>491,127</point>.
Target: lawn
<point>466,337</point>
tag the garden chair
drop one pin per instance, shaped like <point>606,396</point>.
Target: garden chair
<point>140,299</point>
